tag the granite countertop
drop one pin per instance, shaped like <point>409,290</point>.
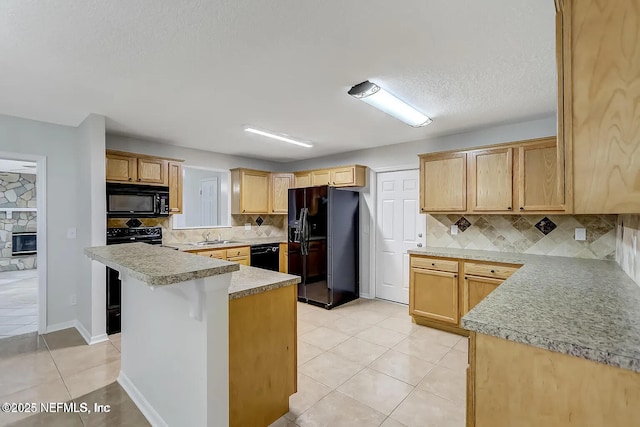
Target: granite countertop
<point>240,242</point>
<point>250,280</point>
<point>580,307</point>
<point>156,265</point>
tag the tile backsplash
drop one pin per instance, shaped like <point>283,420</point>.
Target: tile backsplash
<point>271,226</point>
<point>532,234</point>
<point>627,242</point>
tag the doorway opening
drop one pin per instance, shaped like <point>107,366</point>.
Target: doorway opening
<point>18,248</point>
<point>22,245</point>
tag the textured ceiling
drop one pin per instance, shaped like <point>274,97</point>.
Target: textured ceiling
<point>193,72</point>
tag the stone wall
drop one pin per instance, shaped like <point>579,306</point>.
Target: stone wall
<point>16,191</point>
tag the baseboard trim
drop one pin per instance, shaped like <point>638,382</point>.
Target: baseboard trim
<point>143,404</point>
<point>88,337</point>
<point>60,326</point>
<point>367,296</point>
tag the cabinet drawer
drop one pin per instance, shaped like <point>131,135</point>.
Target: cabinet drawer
<point>221,254</point>
<point>434,264</point>
<point>244,260</point>
<point>487,270</point>
<point>236,252</point>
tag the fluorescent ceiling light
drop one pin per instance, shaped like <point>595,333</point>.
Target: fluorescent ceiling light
<point>278,137</point>
<point>374,95</point>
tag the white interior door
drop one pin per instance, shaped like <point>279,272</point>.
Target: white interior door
<point>399,227</point>
<point>209,201</point>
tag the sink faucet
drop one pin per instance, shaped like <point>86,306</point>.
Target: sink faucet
<point>206,236</point>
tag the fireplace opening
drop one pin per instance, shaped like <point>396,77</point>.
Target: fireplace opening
<point>23,244</point>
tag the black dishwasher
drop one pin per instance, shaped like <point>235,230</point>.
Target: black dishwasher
<point>266,256</point>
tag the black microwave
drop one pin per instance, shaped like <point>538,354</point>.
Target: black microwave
<point>141,201</point>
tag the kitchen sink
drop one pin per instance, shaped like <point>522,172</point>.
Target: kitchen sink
<point>213,242</point>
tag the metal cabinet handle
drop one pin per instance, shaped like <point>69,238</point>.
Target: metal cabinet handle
<point>493,271</point>
<point>419,245</point>
<point>433,263</point>
<point>509,208</point>
<point>130,179</point>
<point>244,210</point>
<point>521,209</point>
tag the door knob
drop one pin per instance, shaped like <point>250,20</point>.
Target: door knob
<point>419,234</point>
<point>419,245</point>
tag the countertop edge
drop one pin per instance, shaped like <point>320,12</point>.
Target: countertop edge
<point>166,279</point>
<point>586,353</point>
<point>264,288</point>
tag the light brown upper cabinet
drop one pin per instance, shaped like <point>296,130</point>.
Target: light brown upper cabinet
<point>152,171</point>
<point>320,177</point>
<point>121,168</point>
<point>279,197</point>
<point>443,182</point>
<point>175,187</point>
<point>538,186</point>
<point>491,180</point>
<point>599,92</point>
<point>302,179</point>
<point>249,191</point>
<point>136,168</point>
<point>343,176</point>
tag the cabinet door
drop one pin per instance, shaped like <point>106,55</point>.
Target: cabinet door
<point>303,179</point>
<point>280,185</point>
<point>343,176</point>
<point>475,289</point>
<point>254,192</point>
<point>538,186</point>
<point>320,177</point>
<point>434,294</point>
<point>121,168</point>
<point>284,258</point>
<point>603,92</point>
<point>175,187</point>
<point>152,171</point>
<point>491,180</point>
<point>443,182</point>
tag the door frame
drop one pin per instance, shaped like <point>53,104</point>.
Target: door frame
<point>41,223</point>
<point>373,249</point>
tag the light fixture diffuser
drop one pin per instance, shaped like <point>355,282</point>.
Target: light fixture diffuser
<point>283,138</point>
<point>379,98</point>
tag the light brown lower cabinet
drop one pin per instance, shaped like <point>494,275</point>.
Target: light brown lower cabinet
<point>434,295</point>
<point>513,384</point>
<point>284,258</point>
<point>443,290</point>
<point>241,255</point>
<point>262,356</point>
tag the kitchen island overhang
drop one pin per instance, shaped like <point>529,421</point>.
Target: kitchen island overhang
<point>175,328</point>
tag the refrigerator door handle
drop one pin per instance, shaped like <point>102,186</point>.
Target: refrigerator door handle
<point>304,231</point>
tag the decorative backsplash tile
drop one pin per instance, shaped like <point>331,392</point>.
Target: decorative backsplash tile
<point>526,234</point>
<point>272,226</point>
<point>627,242</point>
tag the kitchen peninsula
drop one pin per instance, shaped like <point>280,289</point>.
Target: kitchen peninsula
<point>557,344</point>
<point>192,330</point>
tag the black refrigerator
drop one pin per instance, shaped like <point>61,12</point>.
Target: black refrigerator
<point>323,244</point>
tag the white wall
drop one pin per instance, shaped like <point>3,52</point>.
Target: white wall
<point>405,156</point>
<point>59,145</point>
<point>91,280</point>
<point>191,156</point>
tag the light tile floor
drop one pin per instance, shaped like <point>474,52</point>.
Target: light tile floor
<point>18,302</point>
<point>362,364</point>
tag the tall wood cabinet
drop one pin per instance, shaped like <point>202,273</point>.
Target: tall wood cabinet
<point>279,192</point>
<point>539,188</point>
<point>600,88</point>
<point>175,187</point>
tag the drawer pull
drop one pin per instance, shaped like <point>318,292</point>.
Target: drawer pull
<point>433,263</point>
<point>493,271</point>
